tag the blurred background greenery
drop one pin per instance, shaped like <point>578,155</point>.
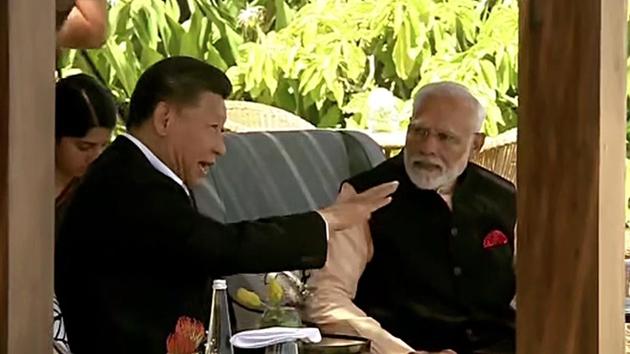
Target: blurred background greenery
<point>335,63</point>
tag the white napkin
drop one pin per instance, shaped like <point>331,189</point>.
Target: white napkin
<point>260,338</point>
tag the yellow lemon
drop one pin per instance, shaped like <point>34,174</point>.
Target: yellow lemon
<point>275,292</point>
<point>248,298</point>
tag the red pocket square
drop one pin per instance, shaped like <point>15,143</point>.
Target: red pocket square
<point>494,239</point>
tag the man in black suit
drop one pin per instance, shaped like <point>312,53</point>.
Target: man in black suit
<point>433,269</point>
<point>133,253</point>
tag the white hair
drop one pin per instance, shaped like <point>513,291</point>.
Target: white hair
<point>449,89</point>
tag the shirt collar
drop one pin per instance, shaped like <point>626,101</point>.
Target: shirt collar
<point>156,162</point>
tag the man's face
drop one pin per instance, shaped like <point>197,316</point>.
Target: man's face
<point>441,138</point>
<point>195,137</point>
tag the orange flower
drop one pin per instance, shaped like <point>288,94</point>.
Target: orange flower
<point>188,335</point>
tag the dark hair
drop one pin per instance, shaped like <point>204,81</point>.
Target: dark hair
<point>178,79</point>
<point>81,103</point>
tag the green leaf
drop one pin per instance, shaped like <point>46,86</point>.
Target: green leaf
<point>357,103</point>
<point>351,123</point>
<point>141,28</point>
<point>494,117</point>
<point>305,77</point>
<point>116,57</point>
<point>330,66</point>
<point>269,75</point>
<point>149,57</point>
<point>237,78</point>
<point>189,44</point>
<point>257,65</point>
<point>307,102</point>
<point>318,96</point>
<point>400,55</point>
<point>151,17</point>
<point>489,72</point>
<point>174,32</point>
<point>100,62</point>
<point>284,98</point>
<point>338,92</point>
<point>355,60</point>
<point>490,128</point>
<point>314,81</point>
<point>399,15</point>
<point>204,35</point>
<point>171,8</point>
<point>119,19</point>
<point>258,93</point>
<point>214,57</point>
<point>133,65</point>
<point>230,40</point>
<point>331,118</point>
<point>503,72</point>
<point>284,14</point>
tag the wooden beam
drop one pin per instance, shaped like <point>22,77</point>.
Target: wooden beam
<point>27,38</point>
<point>612,153</point>
<point>572,73</point>
<point>4,167</point>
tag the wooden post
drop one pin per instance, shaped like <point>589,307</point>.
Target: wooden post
<point>4,168</point>
<point>572,77</point>
<point>26,175</point>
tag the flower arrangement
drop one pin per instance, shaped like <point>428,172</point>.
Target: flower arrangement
<point>286,294</point>
<point>187,337</point>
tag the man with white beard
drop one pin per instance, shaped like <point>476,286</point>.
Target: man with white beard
<point>431,271</point>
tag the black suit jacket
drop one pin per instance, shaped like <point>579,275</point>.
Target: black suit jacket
<point>444,288</point>
<point>133,254</point>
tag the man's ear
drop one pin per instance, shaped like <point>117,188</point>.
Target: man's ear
<point>478,140</point>
<point>162,117</point>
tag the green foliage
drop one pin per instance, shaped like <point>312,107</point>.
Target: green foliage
<point>329,61</point>
<point>353,63</point>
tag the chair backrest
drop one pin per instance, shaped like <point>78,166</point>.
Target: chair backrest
<point>499,155</point>
<point>277,173</point>
<point>243,116</point>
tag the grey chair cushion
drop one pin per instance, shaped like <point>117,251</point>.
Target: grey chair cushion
<point>278,173</point>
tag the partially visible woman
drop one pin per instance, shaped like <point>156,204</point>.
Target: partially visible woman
<point>85,117</point>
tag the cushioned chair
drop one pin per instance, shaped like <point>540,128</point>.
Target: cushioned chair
<point>244,116</point>
<point>278,173</point>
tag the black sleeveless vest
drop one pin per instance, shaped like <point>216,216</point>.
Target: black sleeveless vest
<point>431,281</point>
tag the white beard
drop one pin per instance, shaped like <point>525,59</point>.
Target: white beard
<point>425,180</point>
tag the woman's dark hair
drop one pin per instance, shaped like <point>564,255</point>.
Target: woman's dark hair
<point>81,103</point>
<point>179,79</point>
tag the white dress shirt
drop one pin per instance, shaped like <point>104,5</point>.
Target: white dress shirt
<point>156,162</point>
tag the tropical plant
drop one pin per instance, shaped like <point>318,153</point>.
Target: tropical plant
<point>353,63</point>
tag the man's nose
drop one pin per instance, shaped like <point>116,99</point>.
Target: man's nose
<point>220,148</point>
<point>429,145</point>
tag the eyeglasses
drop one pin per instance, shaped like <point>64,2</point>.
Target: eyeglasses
<point>419,132</point>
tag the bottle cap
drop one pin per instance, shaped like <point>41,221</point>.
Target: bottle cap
<point>219,284</point>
